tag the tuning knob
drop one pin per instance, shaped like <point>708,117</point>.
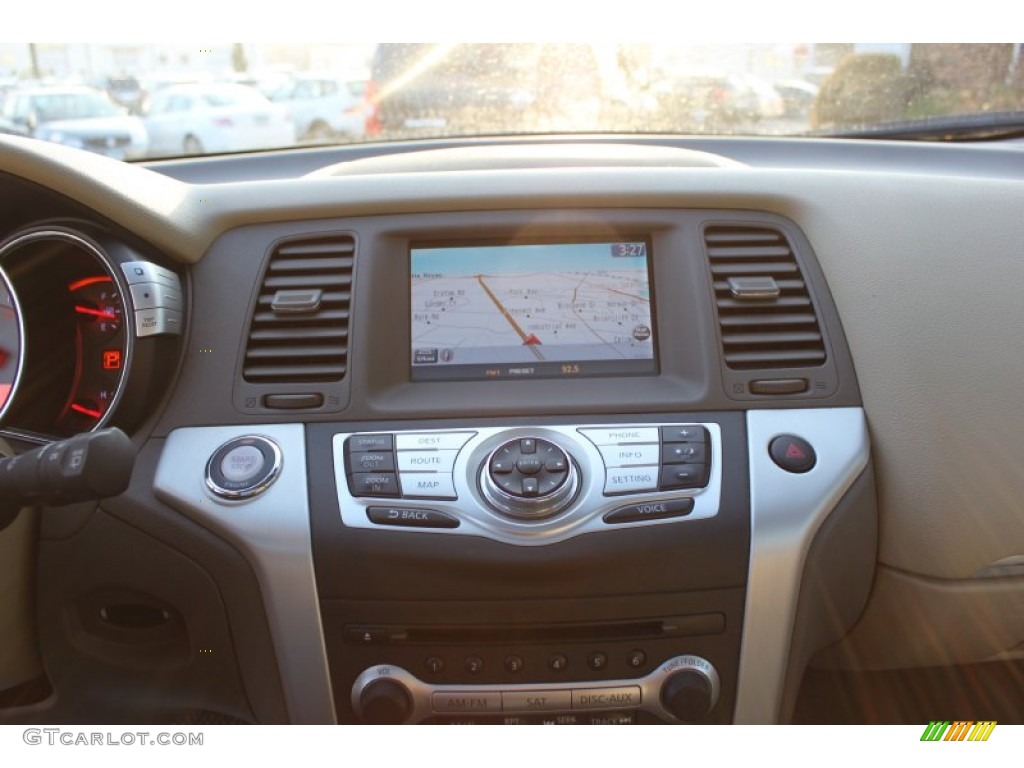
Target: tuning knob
<point>690,692</point>
<point>385,702</point>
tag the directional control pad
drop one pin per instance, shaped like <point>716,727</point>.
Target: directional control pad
<point>529,478</point>
<point>529,468</point>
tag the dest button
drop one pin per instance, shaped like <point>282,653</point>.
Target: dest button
<point>411,517</point>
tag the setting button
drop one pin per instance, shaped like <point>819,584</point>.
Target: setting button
<point>411,517</point>
<point>650,510</point>
<point>630,480</point>
<point>607,698</point>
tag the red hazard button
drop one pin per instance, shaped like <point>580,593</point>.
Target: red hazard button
<point>792,453</point>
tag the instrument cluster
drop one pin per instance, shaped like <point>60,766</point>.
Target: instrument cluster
<point>86,325</point>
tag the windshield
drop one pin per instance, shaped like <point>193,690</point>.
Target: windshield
<point>378,92</point>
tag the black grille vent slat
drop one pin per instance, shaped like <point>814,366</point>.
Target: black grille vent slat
<point>304,347</point>
<point>767,333</point>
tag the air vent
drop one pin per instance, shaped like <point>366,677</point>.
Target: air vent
<point>303,336</point>
<point>761,330</point>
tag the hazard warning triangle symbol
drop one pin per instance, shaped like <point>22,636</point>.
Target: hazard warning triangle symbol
<point>793,452</point>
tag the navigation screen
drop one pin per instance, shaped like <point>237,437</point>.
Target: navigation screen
<point>531,310</point>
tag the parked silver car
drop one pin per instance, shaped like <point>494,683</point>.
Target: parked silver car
<point>77,117</point>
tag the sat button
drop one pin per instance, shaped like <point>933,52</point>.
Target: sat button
<point>792,453</point>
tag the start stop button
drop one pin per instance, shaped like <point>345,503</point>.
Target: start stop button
<point>243,467</point>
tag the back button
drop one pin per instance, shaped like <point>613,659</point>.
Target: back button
<point>411,517</point>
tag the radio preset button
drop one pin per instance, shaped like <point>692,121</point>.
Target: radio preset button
<point>558,661</point>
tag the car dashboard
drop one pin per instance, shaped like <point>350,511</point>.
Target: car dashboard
<point>786,464</point>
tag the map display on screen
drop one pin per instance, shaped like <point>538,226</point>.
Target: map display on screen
<point>531,310</point>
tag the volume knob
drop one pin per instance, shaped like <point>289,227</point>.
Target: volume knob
<point>385,702</point>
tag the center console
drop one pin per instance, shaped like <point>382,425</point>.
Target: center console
<point>603,466</point>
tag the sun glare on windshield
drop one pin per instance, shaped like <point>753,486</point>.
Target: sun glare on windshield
<point>166,100</point>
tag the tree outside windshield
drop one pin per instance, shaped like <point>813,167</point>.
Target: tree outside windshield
<point>285,95</point>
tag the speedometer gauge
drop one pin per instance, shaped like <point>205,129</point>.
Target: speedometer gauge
<point>11,352</point>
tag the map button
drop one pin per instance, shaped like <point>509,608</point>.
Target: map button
<point>428,485</point>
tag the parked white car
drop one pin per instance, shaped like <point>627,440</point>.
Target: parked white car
<point>209,118</point>
<point>77,117</point>
<point>323,108</point>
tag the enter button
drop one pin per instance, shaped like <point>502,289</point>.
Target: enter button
<point>650,510</point>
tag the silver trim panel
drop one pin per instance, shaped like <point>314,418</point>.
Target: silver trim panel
<point>639,694</point>
<point>273,532</point>
<point>583,515</point>
<point>786,512</point>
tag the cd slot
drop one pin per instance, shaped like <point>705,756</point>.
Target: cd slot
<point>673,626</point>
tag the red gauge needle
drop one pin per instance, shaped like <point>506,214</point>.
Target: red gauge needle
<point>86,411</point>
<point>97,312</point>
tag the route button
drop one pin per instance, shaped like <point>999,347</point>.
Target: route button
<point>426,461</point>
